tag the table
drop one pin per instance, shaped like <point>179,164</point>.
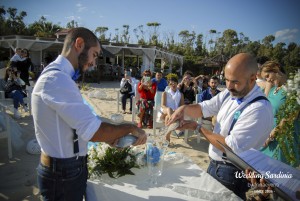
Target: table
<point>180,180</point>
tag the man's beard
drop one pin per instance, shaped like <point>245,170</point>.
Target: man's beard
<point>82,60</point>
<point>213,88</point>
<point>242,93</point>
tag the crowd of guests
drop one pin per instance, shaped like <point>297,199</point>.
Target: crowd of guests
<point>212,105</point>
<point>269,78</point>
<point>16,79</point>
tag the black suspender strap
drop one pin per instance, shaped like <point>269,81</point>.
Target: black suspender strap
<point>75,144</point>
<point>75,136</point>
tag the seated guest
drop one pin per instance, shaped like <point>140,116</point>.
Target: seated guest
<point>207,94</point>
<point>188,87</point>
<point>147,90</point>
<point>127,80</point>
<point>172,98</point>
<point>211,91</point>
<point>13,89</point>
<point>161,83</point>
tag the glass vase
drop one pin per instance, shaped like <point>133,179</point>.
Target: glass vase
<point>155,150</point>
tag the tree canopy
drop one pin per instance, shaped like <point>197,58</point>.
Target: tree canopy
<point>194,46</point>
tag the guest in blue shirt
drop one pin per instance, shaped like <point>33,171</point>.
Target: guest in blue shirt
<point>161,82</point>
<point>211,91</point>
<point>207,94</point>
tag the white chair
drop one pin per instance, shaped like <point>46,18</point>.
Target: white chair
<point>156,108</point>
<point>6,132</point>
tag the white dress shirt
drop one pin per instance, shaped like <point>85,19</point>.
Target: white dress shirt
<point>57,108</point>
<point>252,127</point>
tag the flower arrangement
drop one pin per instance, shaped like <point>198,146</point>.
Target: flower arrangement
<point>116,162</point>
<point>287,117</point>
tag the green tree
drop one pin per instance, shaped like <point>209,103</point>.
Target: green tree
<point>227,42</point>
<point>154,33</point>
<point>212,41</point>
<point>278,52</point>
<point>102,33</point>
<point>125,35</point>
<point>43,28</point>
<point>116,37</point>
<point>72,24</point>
<point>14,23</point>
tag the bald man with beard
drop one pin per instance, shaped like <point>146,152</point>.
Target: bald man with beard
<point>244,120</point>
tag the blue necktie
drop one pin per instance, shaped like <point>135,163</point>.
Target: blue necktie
<point>76,75</point>
<point>238,100</point>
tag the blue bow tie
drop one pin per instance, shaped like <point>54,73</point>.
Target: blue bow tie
<point>76,75</point>
<point>238,100</point>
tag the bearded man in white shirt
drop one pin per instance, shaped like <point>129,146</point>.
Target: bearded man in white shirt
<point>244,121</point>
<point>64,124</point>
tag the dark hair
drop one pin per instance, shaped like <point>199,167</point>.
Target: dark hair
<point>188,73</point>
<point>147,72</point>
<point>173,79</point>
<point>214,77</point>
<point>90,39</point>
<point>25,50</point>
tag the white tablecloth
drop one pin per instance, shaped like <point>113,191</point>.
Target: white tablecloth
<point>181,180</point>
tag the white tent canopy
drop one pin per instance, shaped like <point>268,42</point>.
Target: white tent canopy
<point>38,45</point>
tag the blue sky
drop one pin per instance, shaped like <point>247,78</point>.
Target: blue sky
<point>255,18</point>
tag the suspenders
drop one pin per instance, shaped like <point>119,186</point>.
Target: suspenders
<point>239,112</point>
<point>75,136</point>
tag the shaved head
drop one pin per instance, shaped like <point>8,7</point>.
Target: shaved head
<point>240,74</point>
<point>243,62</point>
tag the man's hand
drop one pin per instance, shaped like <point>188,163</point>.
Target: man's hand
<point>187,124</point>
<point>141,134</point>
<point>177,115</point>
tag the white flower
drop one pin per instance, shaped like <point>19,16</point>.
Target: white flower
<point>92,152</point>
<point>127,159</point>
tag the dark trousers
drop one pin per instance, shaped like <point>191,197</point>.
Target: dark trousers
<point>226,175</point>
<point>17,96</point>
<point>124,98</point>
<point>65,179</point>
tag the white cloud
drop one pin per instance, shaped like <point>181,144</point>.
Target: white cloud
<point>193,27</point>
<point>80,7</point>
<point>286,34</point>
<point>75,18</point>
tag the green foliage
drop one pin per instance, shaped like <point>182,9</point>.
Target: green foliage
<point>289,112</point>
<point>192,45</point>
<point>115,162</point>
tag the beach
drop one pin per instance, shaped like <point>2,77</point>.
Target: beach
<point>18,175</point>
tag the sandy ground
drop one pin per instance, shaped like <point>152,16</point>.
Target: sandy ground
<point>18,175</point>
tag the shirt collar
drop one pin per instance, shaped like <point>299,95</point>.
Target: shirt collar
<point>65,65</point>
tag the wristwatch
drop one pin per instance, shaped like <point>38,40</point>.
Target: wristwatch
<point>198,128</point>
